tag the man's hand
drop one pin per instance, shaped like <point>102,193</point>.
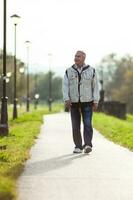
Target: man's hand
<point>68,104</point>
<point>95,106</point>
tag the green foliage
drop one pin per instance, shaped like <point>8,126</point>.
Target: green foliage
<point>21,79</point>
<point>43,86</point>
<point>118,79</point>
<point>119,131</point>
<point>38,83</point>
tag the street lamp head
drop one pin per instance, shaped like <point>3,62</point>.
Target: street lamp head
<point>37,96</point>
<point>7,80</point>
<point>49,54</point>
<point>21,70</point>
<point>15,19</point>
<point>27,43</point>
<point>9,74</point>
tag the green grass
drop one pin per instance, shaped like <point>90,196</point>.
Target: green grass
<point>22,134</point>
<point>118,131</point>
<point>130,118</point>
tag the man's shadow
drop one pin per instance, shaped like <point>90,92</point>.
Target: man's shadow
<point>44,166</point>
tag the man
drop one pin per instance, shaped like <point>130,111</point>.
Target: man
<point>81,96</point>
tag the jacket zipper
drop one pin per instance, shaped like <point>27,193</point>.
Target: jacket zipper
<point>79,77</point>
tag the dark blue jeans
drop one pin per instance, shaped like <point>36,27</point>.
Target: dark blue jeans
<point>84,110</point>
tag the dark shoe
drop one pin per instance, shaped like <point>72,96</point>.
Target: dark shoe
<point>87,149</point>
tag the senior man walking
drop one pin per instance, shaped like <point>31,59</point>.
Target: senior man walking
<point>81,96</point>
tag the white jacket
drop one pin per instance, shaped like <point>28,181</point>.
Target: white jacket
<point>82,86</point>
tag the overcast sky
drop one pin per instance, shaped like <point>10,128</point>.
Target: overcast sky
<point>61,27</point>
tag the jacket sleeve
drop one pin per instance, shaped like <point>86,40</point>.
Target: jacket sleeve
<point>95,89</point>
<point>65,88</point>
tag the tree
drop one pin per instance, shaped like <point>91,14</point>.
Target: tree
<point>118,79</point>
<point>43,86</point>
<point>10,70</point>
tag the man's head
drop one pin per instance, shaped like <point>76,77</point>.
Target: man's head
<point>79,58</point>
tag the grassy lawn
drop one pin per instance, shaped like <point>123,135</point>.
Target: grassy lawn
<point>116,130</point>
<point>22,134</point>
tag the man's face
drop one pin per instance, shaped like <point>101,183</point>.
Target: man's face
<point>79,59</point>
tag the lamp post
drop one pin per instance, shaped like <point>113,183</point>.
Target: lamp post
<point>36,100</point>
<point>27,43</point>
<point>9,86</point>
<point>15,21</point>
<point>36,95</point>
<point>4,114</point>
<point>101,101</point>
<point>50,83</point>
<point>21,70</point>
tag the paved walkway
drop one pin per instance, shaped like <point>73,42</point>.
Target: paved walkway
<point>54,173</point>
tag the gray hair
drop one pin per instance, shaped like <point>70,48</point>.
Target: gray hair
<point>82,52</point>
